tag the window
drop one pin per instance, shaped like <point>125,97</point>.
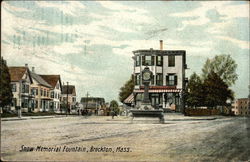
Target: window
<point>36,104</point>
<point>137,79</point>
<point>137,60</point>
<point>148,60</point>
<point>25,103</point>
<point>159,60</point>
<point>25,88</point>
<point>33,91</point>
<point>41,92</point>
<point>171,80</point>
<point>36,89</point>
<point>159,79</point>
<point>13,87</point>
<point>171,61</point>
<point>44,92</point>
<point>47,93</point>
<point>13,103</point>
<point>52,94</point>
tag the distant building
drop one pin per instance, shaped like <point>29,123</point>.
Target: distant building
<point>241,107</point>
<point>20,85</point>
<point>168,80</point>
<point>55,92</point>
<point>71,91</point>
<point>95,105</point>
<point>41,91</point>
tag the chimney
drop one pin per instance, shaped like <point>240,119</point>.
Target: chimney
<point>33,69</point>
<point>26,65</point>
<point>161,44</point>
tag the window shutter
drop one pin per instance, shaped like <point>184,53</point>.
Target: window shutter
<point>139,61</point>
<point>143,60</point>
<point>167,80</point>
<point>152,80</point>
<point>175,80</point>
<point>152,60</point>
<point>161,60</point>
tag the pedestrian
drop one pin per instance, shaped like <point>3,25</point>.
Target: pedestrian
<point>78,111</point>
<point>113,114</point>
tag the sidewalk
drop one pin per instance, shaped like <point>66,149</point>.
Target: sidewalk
<point>31,117</point>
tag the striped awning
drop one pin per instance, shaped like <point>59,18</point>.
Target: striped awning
<point>157,90</point>
<point>129,99</point>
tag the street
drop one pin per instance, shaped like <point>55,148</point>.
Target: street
<point>99,138</point>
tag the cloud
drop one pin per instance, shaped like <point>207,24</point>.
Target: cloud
<point>69,7</point>
<point>240,43</point>
<point>224,10</point>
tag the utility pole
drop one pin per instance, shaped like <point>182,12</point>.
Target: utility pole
<point>67,98</point>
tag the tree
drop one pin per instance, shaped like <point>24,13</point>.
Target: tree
<point>195,91</point>
<point>5,87</point>
<point>126,89</point>
<point>114,106</point>
<point>216,90</point>
<point>224,66</point>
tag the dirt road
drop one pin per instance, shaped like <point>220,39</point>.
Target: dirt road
<point>179,139</point>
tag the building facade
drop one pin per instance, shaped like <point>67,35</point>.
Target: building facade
<point>95,105</point>
<point>68,91</point>
<point>41,91</point>
<point>55,92</point>
<point>23,96</point>
<point>168,80</point>
<point>241,107</point>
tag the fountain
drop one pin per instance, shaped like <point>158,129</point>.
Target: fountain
<point>146,109</point>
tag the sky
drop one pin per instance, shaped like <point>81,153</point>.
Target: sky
<point>90,43</point>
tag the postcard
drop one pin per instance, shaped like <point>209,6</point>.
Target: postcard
<point>125,81</point>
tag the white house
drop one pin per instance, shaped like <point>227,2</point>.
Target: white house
<point>21,80</point>
<point>55,92</point>
<point>168,80</point>
<point>42,92</point>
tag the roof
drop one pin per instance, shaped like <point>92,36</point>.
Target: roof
<point>157,90</point>
<point>16,73</point>
<point>159,52</point>
<point>92,99</point>
<point>51,79</point>
<point>129,99</point>
<point>71,89</point>
<point>40,80</point>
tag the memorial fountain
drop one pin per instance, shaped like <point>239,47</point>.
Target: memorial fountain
<point>146,109</point>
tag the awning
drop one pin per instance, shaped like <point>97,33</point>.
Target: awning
<point>129,99</point>
<point>157,90</point>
